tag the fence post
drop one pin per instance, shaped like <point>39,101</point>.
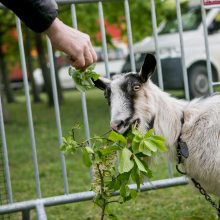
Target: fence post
<point>57,114</point>
<point>28,106</point>
<point>41,214</point>
<point>208,62</point>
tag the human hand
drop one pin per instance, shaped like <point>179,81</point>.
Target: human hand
<point>72,42</point>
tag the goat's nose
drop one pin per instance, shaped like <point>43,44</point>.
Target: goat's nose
<point>116,125</point>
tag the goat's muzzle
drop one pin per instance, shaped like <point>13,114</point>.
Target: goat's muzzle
<point>116,125</point>
<point>121,126</point>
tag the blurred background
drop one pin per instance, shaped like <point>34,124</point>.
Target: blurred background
<point>117,42</point>
<point>174,203</point>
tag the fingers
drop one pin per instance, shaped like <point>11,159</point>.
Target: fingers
<point>78,62</point>
<point>74,43</point>
<point>93,53</point>
<point>84,59</point>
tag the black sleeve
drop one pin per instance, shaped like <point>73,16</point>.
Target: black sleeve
<point>36,14</point>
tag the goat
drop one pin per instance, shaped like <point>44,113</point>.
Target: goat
<point>134,98</point>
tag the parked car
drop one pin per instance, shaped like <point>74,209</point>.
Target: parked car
<point>195,56</point>
<point>116,59</point>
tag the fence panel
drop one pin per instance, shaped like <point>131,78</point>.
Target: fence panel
<point>40,202</point>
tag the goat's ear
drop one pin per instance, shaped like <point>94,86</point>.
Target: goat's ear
<point>148,67</point>
<point>101,83</point>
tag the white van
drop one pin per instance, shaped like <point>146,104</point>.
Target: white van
<point>170,53</point>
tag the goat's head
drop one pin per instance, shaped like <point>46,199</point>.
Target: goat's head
<point>123,91</point>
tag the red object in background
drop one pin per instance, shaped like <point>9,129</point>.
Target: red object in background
<point>14,33</point>
<point>113,30</point>
<point>16,74</point>
<point>211,2</point>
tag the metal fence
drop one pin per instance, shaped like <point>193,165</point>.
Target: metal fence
<point>40,203</point>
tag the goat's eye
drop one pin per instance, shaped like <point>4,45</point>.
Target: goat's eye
<point>136,87</point>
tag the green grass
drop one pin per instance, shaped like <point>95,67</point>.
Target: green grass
<point>173,203</point>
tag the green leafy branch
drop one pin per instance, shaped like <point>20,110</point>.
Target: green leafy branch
<point>135,148</point>
<point>83,78</point>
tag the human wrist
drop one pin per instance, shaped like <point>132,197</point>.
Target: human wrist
<point>54,28</point>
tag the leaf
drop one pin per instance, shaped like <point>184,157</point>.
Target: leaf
<point>133,193</point>
<point>124,177</point>
<point>80,88</point>
<point>112,217</point>
<point>124,190</point>
<point>86,158</point>
<point>149,172</point>
<point>91,67</point>
<point>129,135</point>
<point>150,145</point>
<point>140,165</point>
<point>160,145</point>
<point>135,175</point>
<point>116,137</point>
<point>114,185</point>
<point>149,133</point>
<point>135,147</point>
<point>159,138</point>
<point>143,149</point>
<point>63,147</point>
<point>64,139</point>
<point>89,150</point>
<point>125,162</point>
<point>109,150</point>
<point>95,76</point>
<point>82,78</point>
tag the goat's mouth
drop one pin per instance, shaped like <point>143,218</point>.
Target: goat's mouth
<point>136,123</point>
<point>125,127</point>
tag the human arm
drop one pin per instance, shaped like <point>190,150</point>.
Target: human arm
<point>41,16</point>
<point>36,14</point>
<point>73,42</point>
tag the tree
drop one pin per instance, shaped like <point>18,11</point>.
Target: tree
<point>2,95</point>
<point>140,13</point>
<point>43,66</point>
<point>34,90</point>
<point>5,26</point>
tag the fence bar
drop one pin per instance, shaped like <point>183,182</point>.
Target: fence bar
<point>159,67</point>
<point>129,33</point>
<point>5,155</point>
<point>57,113</point>
<point>208,62</point>
<point>83,1</point>
<point>61,2</point>
<point>84,196</point>
<point>73,16</point>
<point>83,95</point>
<point>154,24</point>
<point>28,104</point>
<point>103,35</point>
<point>41,214</point>
<point>215,83</point>
<point>180,27</point>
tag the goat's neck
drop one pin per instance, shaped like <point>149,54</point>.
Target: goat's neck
<point>167,111</point>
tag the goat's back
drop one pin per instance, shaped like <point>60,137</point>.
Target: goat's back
<point>201,132</point>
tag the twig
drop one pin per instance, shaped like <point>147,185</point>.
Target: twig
<point>102,192</point>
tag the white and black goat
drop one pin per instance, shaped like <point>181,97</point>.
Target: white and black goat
<point>134,98</point>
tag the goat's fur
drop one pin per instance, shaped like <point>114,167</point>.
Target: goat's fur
<point>200,130</point>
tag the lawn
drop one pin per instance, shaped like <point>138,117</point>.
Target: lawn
<point>171,203</point>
